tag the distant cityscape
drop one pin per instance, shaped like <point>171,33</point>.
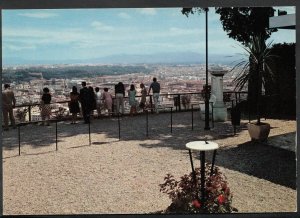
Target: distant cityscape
<point>173,79</point>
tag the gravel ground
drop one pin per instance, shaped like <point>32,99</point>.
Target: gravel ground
<point>123,176</point>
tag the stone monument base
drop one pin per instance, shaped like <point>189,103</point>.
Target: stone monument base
<point>220,114</point>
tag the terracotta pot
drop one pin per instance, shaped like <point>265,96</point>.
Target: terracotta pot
<point>259,132</point>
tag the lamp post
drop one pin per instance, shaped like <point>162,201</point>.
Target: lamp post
<point>206,127</point>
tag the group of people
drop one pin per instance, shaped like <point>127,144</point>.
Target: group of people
<point>89,100</point>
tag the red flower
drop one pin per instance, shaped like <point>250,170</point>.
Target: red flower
<point>196,203</point>
<point>221,199</point>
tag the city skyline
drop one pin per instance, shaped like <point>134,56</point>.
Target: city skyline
<point>103,35</point>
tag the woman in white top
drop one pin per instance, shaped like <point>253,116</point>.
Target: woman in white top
<point>98,101</point>
<point>132,101</point>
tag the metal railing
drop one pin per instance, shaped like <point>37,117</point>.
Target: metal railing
<point>180,101</point>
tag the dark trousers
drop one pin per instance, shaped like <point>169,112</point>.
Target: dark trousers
<point>8,112</point>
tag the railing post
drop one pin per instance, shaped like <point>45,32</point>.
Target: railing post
<point>192,117</point>
<point>119,125</point>
<point>19,136</point>
<point>151,104</point>
<point>171,119</point>
<point>147,123</point>
<point>56,134</point>
<point>212,115</point>
<point>29,113</point>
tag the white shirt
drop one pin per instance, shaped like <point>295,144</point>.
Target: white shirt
<point>98,97</point>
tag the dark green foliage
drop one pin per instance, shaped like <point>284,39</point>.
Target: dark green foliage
<point>242,23</point>
<point>255,71</point>
<point>282,92</point>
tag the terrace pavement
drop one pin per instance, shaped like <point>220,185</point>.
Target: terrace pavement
<point>123,176</point>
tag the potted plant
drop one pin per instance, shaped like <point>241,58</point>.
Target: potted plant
<point>256,71</point>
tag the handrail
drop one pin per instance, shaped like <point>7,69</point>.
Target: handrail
<point>176,97</point>
<point>175,94</point>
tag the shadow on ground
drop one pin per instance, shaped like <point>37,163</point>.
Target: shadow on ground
<point>256,159</point>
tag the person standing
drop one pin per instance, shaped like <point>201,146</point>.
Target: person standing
<point>74,104</point>
<point>84,98</point>
<point>8,103</point>
<point>132,101</point>
<point>93,104</point>
<point>98,101</point>
<point>120,93</point>
<point>45,106</point>
<point>143,98</point>
<point>155,86</point>
<point>107,98</point>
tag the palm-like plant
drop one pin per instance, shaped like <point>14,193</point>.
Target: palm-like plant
<point>256,69</point>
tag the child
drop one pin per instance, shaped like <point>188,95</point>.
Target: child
<point>107,98</point>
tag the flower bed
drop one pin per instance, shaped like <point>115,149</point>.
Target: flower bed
<point>185,193</point>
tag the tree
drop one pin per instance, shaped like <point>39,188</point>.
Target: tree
<point>260,60</point>
<point>242,23</point>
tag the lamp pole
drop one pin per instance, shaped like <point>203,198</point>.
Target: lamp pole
<point>206,76</point>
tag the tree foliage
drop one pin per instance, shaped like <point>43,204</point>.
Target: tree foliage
<point>242,23</point>
<point>255,70</point>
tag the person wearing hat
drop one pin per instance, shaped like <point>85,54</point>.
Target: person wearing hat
<point>8,103</point>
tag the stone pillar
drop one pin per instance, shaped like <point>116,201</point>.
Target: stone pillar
<point>220,111</point>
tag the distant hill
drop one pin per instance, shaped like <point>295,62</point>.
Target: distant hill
<point>158,58</point>
<point>28,73</point>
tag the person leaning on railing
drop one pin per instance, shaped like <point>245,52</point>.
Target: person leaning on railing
<point>155,86</point>
<point>98,101</point>
<point>85,100</point>
<point>8,103</point>
<point>45,106</point>
<point>74,104</point>
<point>120,93</point>
<point>143,97</point>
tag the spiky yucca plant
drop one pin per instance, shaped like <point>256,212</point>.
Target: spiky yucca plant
<point>256,69</point>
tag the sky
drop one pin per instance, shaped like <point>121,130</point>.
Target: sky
<point>61,34</point>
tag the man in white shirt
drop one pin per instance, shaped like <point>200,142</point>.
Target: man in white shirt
<point>98,101</point>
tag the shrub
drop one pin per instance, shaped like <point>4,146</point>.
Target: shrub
<point>185,193</point>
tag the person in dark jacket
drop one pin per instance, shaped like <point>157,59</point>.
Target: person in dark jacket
<point>85,100</point>
<point>93,101</point>
<point>155,86</point>
<point>120,93</point>
<point>45,106</point>
<point>74,104</point>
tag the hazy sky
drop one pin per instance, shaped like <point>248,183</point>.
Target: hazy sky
<point>92,33</point>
